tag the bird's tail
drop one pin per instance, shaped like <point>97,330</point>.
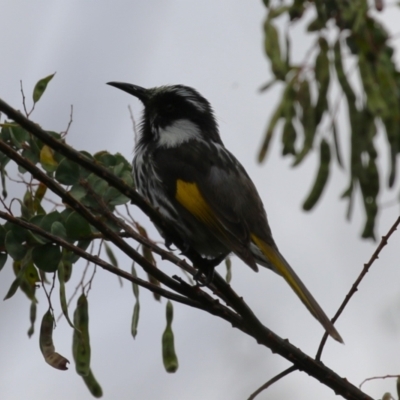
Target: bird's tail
<point>282,267</point>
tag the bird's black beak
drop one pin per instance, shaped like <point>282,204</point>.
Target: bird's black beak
<point>141,93</point>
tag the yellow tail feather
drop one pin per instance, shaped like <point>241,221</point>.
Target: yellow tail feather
<point>284,269</point>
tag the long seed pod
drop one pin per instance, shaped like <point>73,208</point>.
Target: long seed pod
<point>170,359</point>
<point>307,120</point>
<point>322,176</point>
<point>281,111</point>
<point>273,50</point>
<point>81,341</point>
<point>46,344</point>
<point>322,76</point>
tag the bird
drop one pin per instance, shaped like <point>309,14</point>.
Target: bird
<point>182,168</point>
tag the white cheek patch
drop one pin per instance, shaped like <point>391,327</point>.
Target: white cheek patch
<point>179,132</point>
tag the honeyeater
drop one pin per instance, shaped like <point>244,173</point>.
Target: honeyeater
<point>184,170</point>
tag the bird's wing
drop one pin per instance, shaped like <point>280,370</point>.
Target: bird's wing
<point>212,185</point>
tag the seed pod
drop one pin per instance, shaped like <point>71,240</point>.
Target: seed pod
<point>32,318</point>
<point>307,119</point>
<point>136,309</point>
<point>170,359</point>
<point>283,109</point>
<point>273,50</point>
<point>322,177</point>
<point>344,83</point>
<point>322,76</point>
<point>289,138</point>
<point>81,340</point>
<point>92,384</point>
<point>375,103</point>
<point>46,344</point>
<point>370,189</point>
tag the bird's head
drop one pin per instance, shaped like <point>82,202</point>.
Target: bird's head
<point>173,114</point>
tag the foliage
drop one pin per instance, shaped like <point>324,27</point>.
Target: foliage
<point>36,258</point>
<point>48,237</point>
<point>344,33</point>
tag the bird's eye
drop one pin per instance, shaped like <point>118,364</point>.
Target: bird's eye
<point>169,107</point>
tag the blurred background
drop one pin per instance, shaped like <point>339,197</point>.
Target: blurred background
<point>216,47</point>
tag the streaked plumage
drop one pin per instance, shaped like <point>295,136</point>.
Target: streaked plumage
<point>183,169</point>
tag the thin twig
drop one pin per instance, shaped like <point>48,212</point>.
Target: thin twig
<point>354,287</point>
<point>272,381</point>
<point>23,99</point>
<point>378,377</point>
<point>65,133</point>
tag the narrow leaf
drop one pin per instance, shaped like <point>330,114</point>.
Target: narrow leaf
<point>63,297</point>
<point>40,87</point>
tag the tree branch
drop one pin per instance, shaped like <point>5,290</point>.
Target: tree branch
<point>98,261</point>
<point>246,322</point>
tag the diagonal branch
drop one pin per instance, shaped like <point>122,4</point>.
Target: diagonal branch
<point>246,321</point>
<point>108,233</point>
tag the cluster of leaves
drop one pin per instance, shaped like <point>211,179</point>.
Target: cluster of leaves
<point>309,115</point>
<point>36,260</point>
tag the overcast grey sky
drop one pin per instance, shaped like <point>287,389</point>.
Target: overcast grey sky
<point>216,47</point>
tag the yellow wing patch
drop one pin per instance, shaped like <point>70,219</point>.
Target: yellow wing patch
<point>188,194</point>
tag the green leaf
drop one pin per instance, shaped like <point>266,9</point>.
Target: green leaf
<point>14,246</point>
<point>78,192</point>
<point>82,244</point>
<point>13,288</point>
<point>58,229</point>
<point>110,255</point>
<point>3,259</point>
<point>63,297</point>
<point>47,257</point>
<point>77,227</point>
<point>20,233</point>
<point>3,233</point>
<point>68,172</point>
<point>40,87</point>
<point>18,136</point>
<point>30,155</point>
